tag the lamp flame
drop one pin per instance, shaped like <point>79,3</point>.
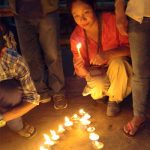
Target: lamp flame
<point>48,141</point>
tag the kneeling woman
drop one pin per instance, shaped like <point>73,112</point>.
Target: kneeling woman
<point>102,56</point>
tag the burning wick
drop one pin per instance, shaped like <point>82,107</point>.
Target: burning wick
<point>94,136</point>
<point>48,141</point>
<point>98,145</point>
<point>68,123</point>
<point>79,45</point>
<point>54,137</point>
<point>61,129</point>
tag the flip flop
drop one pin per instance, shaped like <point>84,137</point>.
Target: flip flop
<point>27,131</point>
<point>131,130</point>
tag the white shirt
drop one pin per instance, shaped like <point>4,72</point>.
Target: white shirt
<point>137,9</point>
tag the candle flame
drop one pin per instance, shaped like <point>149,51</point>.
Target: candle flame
<point>79,45</point>
<point>68,122</point>
<point>48,141</point>
<point>85,121</point>
<point>61,129</point>
<point>94,136</point>
<point>54,135</point>
<point>75,117</point>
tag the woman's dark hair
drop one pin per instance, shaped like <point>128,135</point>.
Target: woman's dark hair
<point>88,2</point>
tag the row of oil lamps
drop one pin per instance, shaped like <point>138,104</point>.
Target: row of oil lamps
<point>83,119</point>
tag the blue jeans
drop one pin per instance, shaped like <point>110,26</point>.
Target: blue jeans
<point>139,38</point>
<point>10,97</point>
<point>39,45</point>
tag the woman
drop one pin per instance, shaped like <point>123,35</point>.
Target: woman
<point>101,46</point>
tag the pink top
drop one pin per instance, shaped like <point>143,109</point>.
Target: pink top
<point>110,39</point>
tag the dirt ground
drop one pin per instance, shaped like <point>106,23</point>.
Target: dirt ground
<point>45,117</point>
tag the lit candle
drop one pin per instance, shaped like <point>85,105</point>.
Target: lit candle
<point>82,112</point>
<point>94,136</point>
<point>54,136</point>
<point>86,116</point>
<point>85,121</point>
<point>43,148</point>
<point>90,129</point>
<point>68,123</point>
<point>48,141</point>
<point>61,129</point>
<point>79,45</point>
<point>98,145</point>
<point>75,117</point>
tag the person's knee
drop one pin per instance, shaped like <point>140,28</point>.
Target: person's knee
<point>10,93</point>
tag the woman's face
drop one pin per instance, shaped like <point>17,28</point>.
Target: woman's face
<point>83,14</point>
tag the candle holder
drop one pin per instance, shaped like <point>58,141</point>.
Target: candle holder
<point>97,145</point>
<point>90,129</point>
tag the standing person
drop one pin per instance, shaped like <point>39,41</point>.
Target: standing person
<point>102,45</point>
<point>17,92</point>
<point>139,37</point>
<point>37,25</point>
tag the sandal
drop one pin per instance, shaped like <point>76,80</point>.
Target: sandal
<point>130,129</point>
<point>27,131</point>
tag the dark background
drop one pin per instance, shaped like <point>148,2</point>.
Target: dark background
<point>66,27</point>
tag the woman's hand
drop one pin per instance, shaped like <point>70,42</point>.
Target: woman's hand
<point>80,67</point>
<point>99,59</point>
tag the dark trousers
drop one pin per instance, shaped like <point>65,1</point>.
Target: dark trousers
<point>39,45</point>
<point>139,38</point>
<point>10,97</point>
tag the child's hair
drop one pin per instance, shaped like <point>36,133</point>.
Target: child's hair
<point>88,2</point>
<point>2,33</point>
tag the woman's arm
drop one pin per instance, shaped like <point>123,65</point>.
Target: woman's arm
<point>105,56</point>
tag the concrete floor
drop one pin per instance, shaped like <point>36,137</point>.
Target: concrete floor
<point>45,117</point>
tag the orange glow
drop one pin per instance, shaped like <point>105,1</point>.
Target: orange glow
<point>43,148</point>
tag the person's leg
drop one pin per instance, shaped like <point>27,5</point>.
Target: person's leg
<point>10,97</point>
<point>139,38</point>
<point>49,39</point>
<point>119,73</point>
<point>8,101</point>
<point>31,50</point>
<point>97,85</point>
